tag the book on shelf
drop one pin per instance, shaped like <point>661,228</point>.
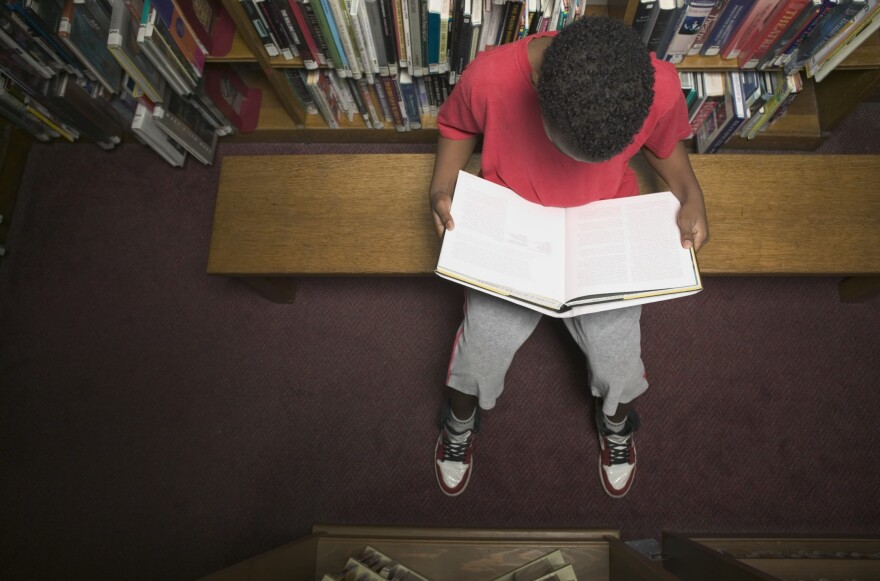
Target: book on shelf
<point>566,262</point>
<point>294,33</point>
<point>770,32</point>
<point>782,88</point>
<point>42,19</point>
<point>837,21</point>
<point>186,125</point>
<point>708,24</point>
<point>363,38</point>
<point>664,25</point>
<point>148,132</point>
<point>819,66</point>
<point>16,111</point>
<point>181,34</point>
<point>23,44</point>
<point>238,102</point>
<point>31,41</point>
<point>122,43</point>
<point>410,99</point>
<point>710,92</point>
<point>747,26</point>
<point>81,109</point>
<point>689,24</point>
<point>212,23</point>
<point>728,21</point>
<point>177,74</point>
<point>276,27</point>
<point>324,16</point>
<point>728,116</point>
<point>84,28</point>
<point>260,27</point>
<point>802,29</point>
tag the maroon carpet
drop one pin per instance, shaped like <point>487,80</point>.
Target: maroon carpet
<point>158,423</point>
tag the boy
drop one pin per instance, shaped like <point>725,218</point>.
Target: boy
<point>560,116</point>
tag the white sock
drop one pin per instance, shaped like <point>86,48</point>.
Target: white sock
<point>461,426</point>
<point>616,428</point>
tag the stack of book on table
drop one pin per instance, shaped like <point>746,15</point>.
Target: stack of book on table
<point>372,565</point>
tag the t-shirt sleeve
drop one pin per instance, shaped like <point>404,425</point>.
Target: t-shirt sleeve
<point>672,126</point>
<point>456,119</point>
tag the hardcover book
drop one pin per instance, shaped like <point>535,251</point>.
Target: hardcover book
<point>212,23</point>
<point>122,42</point>
<point>185,124</point>
<point>238,102</point>
<point>144,127</point>
<point>565,262</point>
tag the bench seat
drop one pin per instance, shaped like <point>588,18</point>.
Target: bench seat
<point>279,217</point>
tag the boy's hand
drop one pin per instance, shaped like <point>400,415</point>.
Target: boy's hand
<point>693,225</point>
<point>441,203</point>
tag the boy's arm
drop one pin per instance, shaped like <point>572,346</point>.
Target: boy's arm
<point>452,156</point>
<point>678,174</point>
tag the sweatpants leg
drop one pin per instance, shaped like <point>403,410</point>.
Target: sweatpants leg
<point>611,340</point>
<point>490,335</point>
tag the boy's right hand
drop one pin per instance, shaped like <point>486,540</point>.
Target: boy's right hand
<point>441,204</point>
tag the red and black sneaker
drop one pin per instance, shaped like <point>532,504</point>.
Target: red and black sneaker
<point>617,454</point>
<point>454,455</point>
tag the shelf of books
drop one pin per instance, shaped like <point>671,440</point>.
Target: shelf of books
<point>367,80</point>
<point>178,76</point>
<point>104,71</point>
<point>764,74</point>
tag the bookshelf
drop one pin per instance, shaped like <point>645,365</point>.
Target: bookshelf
<point>814,112</point>
<point>812,115</point>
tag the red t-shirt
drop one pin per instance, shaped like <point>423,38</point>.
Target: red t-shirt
<point>495,97</point>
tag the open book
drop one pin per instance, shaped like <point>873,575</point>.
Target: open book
<point>565,262</point>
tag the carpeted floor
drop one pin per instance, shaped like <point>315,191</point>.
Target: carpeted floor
<point>158,423</point>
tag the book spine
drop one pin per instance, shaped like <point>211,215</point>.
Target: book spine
<point>395,104</point>
<point>260,27</point>
<point>644,18</point>
<point>749,57</point>
<point>318,57</point>
<point>295,33</point>
<point>750,24</point>
<point>726,26</point>
<point>689,25</point>
<point>829,27</point>
<point>318,31</point>
<point>788,53</point>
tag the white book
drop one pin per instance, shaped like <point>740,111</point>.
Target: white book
<point>565,262</point>
<point>145,128</point>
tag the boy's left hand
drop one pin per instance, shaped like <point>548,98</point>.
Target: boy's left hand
<point>693,225</point>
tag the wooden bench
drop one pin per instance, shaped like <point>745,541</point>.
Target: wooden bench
<point>282,217</point>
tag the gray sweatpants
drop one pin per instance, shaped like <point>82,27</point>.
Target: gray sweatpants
<point>494,329</point>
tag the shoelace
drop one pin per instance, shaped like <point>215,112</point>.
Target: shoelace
<point>452,450</point>
<point>618,450</point>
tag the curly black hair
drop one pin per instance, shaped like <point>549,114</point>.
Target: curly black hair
<point>596,86</point>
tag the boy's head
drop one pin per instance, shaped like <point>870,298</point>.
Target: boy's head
<point>595,88</point>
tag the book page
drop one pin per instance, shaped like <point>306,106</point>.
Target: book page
<point>505,242</point>
<point>627,245</point>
